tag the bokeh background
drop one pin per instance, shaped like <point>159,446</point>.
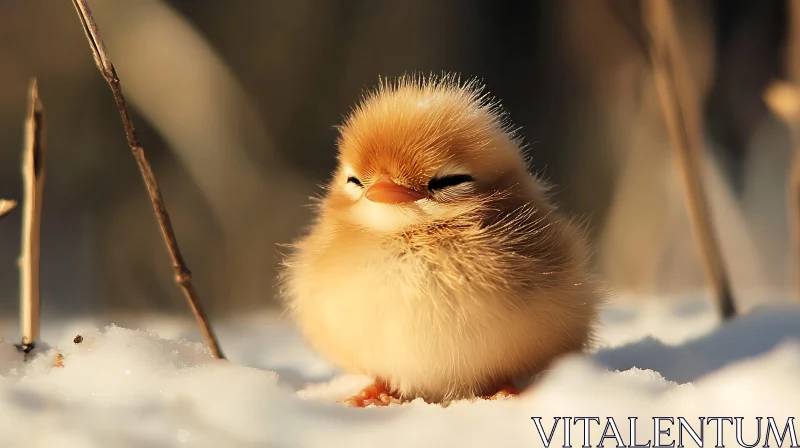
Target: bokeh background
<point>236,104</point>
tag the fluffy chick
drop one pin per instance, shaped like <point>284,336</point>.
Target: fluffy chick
<point>436,264</point>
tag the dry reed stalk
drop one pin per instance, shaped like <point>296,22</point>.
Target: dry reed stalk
<point>793,198</point>
<point>783,99</point>
<point>33,172</point>
<point>182,274</point>
<point>681,109</point>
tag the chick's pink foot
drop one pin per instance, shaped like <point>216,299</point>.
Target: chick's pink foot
<point>377,394</point>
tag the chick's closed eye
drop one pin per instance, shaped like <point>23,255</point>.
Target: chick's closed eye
<point>440,183</point>
<point>354,180</point>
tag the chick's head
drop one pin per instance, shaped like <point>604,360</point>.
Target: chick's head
<point>417,151</point>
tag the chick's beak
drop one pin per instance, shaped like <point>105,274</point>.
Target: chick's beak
<point>384,191</point>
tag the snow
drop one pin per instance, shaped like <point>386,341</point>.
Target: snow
<point>159,387</point>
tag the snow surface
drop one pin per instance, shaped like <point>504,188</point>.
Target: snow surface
<point>158,387</point>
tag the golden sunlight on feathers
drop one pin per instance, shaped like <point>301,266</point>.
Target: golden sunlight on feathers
<point>436,264</point>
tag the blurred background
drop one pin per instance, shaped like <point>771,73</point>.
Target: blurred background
<point>236,104</point>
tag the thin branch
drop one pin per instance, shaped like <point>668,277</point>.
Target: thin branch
<point>793,197</point>
<point>6,205</point>
<point>681,113</point>
<point>783,99</point>
<point>182,274</point>
<point>33,172</point>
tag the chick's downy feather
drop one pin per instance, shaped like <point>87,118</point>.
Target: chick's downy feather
<point>479,282</point>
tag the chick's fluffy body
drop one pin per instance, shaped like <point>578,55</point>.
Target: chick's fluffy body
<point>454,294</point>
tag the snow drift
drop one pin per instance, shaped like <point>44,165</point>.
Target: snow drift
<point>156,388</point>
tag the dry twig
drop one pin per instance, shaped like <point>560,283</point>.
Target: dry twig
<point>182,274</point>
<point>783,99</point>
<point>6,205</point>
<point>682,115</point>
<point>33,175</point>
